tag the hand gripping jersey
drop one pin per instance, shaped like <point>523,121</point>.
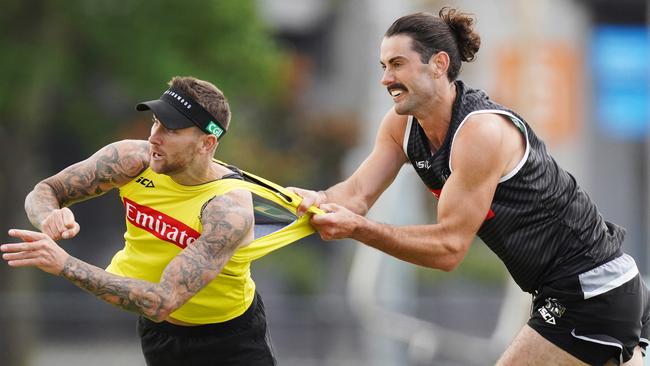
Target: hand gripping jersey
<point>163,217</point>
<point>541,224</point>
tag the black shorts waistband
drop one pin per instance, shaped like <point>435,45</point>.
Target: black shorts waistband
<point>570,279</point>
<point>226,327</point>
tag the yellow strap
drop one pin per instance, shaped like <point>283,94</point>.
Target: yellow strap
<point>284,194</point>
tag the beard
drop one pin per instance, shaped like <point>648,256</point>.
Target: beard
<point>169,165</point>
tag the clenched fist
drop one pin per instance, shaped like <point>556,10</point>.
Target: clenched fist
<point>60,224</point>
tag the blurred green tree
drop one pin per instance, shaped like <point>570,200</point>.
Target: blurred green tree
<point>80,65</point>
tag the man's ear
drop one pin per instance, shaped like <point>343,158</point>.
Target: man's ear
<point>439,63</point>
<point>209,142</point>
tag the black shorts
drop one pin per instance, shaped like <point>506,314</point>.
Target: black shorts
<point>242,341</point>
<point>596,316</point>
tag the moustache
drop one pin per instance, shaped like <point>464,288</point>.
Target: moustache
<point>396,86</point>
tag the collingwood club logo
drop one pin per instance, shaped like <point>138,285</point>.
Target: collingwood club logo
<point>551,309</point>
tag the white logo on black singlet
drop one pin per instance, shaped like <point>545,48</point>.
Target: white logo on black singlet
<point>423,164</point>
<point>551,309</point>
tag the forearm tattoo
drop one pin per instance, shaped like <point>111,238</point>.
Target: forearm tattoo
<point>225,224</point>
<point>39,203</point>
<point>129,294</point>
<point>111,166</point>
<point>108,168</point>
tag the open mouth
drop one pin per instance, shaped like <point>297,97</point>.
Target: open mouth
<point>395,92</point>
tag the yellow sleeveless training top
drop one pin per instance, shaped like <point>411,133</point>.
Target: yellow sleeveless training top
<point>162,218</point>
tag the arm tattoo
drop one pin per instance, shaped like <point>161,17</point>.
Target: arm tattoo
<point>39,203</point>
<point>137,296</point>
<point>108,168</point>
<point>226,224</point>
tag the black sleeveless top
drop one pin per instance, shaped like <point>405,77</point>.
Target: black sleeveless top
<point>541,224</point>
